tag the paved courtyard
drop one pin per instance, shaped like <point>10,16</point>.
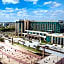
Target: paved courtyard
<point>12,55</point>
<point>52,59</point>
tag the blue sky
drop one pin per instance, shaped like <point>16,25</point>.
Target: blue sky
<point>12,10</point>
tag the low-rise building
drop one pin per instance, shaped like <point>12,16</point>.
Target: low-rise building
<point>55,38</point>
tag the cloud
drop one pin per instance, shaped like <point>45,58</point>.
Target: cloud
<point>7,15</point>
<point>48,14</point>
<point>22,12</point>
<point>10,1</point>
<point>30,14</point>
<point>40,12</point>
<point>52,4</point>
<point>46,3</point>
<point>55,4</point>
<point>9,10</point>
<point>34,1</point>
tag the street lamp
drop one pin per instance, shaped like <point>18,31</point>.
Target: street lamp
<point>43,51</point>
<point>12,40</point>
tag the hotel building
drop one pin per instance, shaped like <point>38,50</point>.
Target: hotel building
<point>47,29</point>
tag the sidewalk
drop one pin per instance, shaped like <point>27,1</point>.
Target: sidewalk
<point>52,59</point>
<point>21,56</point>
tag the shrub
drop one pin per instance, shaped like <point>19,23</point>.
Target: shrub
<point>2,39</point>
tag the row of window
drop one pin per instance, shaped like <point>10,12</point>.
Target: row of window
<point>58,40</point>
<point>36,33</point>
<point>48,39</point>
<point>45,27</point>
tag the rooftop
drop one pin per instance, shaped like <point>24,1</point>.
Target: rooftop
<point>57,34</point>
<point>47,33</point>
<point>41,20</point>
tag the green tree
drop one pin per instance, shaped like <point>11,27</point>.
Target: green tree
<point>2,39</point>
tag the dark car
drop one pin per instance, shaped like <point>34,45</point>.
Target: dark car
<point>47,47</point>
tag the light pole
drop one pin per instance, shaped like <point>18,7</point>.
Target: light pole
<point>12,38</point>
<point>43,51</point>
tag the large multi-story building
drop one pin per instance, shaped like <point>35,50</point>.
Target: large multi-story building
<point>44,26</point>
<point>21,26</point>
<point>47,30</point>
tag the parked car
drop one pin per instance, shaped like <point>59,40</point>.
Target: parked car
<point>47,47</point>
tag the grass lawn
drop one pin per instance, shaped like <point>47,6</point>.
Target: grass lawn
<point>44,42</point>
<point>28,48</point>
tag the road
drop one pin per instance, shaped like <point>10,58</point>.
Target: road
<point>55,53</point>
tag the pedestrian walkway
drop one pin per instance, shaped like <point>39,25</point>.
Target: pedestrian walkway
<point>19,55</point>
<point>52,59</point>
<point>60,61</point>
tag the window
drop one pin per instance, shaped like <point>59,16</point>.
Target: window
<point>40,33</point>
<point>34,45</point>
<point>33,32</point>
<point>37,33</point>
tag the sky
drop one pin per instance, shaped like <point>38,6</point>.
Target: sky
<point>12,10</point>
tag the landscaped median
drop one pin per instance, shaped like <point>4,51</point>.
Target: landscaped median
<point>38,52</point>
<point>28,48</point>
<point>44,42</point>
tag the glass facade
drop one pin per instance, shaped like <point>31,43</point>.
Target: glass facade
<point>41,26</point>
<point>48,39</point>
<point>55,40</point>
<point>45,26</point>
<point>20,27</point>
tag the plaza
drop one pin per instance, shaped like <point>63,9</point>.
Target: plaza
<point>10,53</point>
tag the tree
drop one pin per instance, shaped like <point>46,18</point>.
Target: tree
<point>2,39</point>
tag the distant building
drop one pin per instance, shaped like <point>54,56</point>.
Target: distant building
<point>5,24</point>
<point>1,24</point>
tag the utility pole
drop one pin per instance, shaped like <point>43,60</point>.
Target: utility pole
<point>12,39</point>
<point>43,51</point>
